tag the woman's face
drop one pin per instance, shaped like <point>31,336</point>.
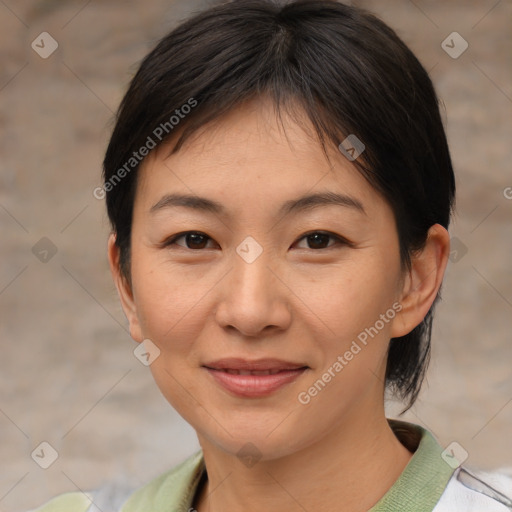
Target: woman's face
<point>307,288</point>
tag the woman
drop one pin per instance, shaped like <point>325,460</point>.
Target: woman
<point>280,188</point>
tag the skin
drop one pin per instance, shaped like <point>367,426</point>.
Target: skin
<point>299,301</point>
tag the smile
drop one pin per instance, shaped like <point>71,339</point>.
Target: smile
<point>254,383</point>
<point>251,372</point>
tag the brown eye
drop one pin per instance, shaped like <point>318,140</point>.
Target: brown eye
<point>193,240</point>
<point>320,240</point>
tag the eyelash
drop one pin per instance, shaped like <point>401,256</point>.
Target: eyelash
<point>340,240</point>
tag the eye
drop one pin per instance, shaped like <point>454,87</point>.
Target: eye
<point>196,240</point>
<point>320,240</point>
<point>193,240</point>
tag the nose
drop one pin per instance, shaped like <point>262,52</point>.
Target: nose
<point>253,299</point>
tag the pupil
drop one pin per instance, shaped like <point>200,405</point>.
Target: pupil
<point>195,239</point>
<point>318,239</point>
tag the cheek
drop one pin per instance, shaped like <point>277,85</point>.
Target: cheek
<point>168,302</point>
<point>356,310</point>
<point>172,315</point>
<point>353,298</point>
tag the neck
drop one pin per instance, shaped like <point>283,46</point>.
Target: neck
<point>354,465</point>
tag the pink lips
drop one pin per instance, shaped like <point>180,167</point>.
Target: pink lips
<point>254,379</point>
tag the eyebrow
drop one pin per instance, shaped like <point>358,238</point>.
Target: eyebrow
<point>303,203</point>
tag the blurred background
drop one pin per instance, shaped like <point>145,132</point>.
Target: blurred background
<point>68,375</point>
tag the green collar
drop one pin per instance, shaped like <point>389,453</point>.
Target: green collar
<point>424,479</point>
<point>418,488</point>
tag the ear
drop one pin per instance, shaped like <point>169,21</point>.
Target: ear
<point>124,290</point>
<point>422,282</point>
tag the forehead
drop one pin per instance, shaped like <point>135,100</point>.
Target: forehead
<point>250,156</point>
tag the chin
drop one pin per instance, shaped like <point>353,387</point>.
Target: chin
<point>253,438</point>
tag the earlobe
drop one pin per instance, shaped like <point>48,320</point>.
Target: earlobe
<point>423,281</point>
<point>124,290</point>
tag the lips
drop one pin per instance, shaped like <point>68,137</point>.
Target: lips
<point>239,364</point>
<point>254,379</point>
<point>249,372</point>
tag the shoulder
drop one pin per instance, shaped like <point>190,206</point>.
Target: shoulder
<point>477,491</point>
<point>68,502</point>
<point>430,483</point>
<point>173,490</point>
<point>107,498</point>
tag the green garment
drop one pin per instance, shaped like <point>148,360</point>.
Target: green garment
<point>418,488</point>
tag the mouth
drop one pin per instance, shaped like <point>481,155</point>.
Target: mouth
<point>238,364</point>
<point>249,372</point>
<point>254,379</point>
